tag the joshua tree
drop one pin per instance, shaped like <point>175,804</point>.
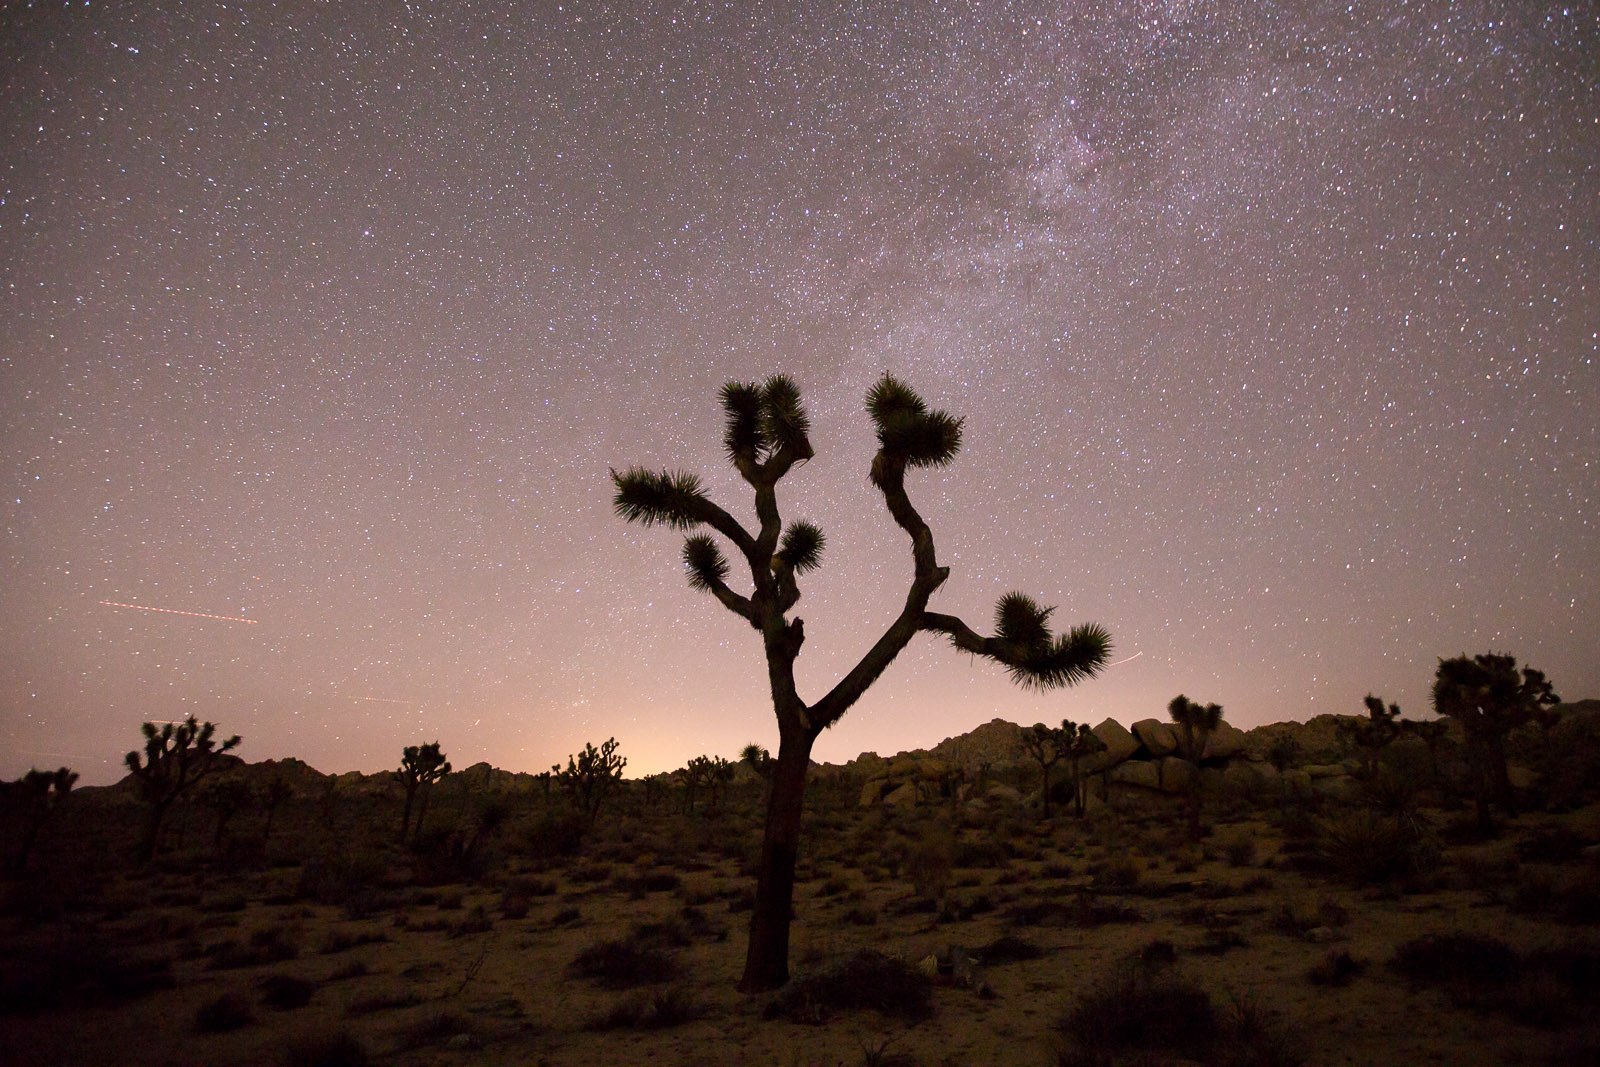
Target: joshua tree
<point>226,797</point>
<point>1082,742</point>
<point>759,760</point>
<point>31,800</point>
<point>590,775</point>
<point>175,757</point>
<point>1283,753</point>
<point>1431,732</point>
<point>1045,747</point>
<point>767,433</point>
<point>1490,698</point>
<point>1374,733</point>
<point>696,773</point>
<point>420,767</point>
<point>1196,724</point>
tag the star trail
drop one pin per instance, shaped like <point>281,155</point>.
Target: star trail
<point>1274,326</point>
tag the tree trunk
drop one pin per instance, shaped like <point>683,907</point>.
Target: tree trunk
<point>422,813</point>
<point>405,819</point>
<point>766,964</point>
<point>1501,782</point>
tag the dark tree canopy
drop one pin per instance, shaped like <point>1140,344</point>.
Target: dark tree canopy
<point>175,757</point>
<point>766,432</point>
<point>1490,697</point>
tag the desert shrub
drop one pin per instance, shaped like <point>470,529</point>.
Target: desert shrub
<point>1008,948</point>
<point>868,980</point>
<point>623,964</point>
<point>229,1011</point>
<point>566,917</point>
<point>391,1000</point>
<point>1468,958</point>
<point>270,944</point>
<point>340,1048</point>
<point>438,1027</point>
<point>286,991</point>
<point>983,854</point>
<point>1367,848</point>
<point>1337,968</point>
<point>1571,896</point>
<point>349,879</point>
<point>555,835</point>
<point>1237,847</point>
<point>336,941</point>
<point>650,1010</point>
<point>1083,910</point>
<point>928,862</point>
<point>1144,1013</point>
<point>77,969</point>
<point>475,921</point>
<point>345,972</point>
<point>861,915</point>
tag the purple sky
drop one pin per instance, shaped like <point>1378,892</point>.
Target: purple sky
<point>1274,325</point>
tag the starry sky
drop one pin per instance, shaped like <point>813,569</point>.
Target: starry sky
<point>1274,326</point>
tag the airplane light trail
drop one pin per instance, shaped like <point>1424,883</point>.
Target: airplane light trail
<point>175,611</point>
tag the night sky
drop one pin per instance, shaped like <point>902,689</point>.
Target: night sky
<point>1275,328</point>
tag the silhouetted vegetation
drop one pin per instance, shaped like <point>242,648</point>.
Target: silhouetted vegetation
<point>420,767</point>
<point>1489,697</point>
<point>176,757</point>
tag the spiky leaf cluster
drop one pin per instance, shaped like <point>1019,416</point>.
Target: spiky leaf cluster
<point>801,550</point>
<point>764,419</point>
<point>703,560</point>
<point>907,431</point>
<point>1488,695</point>
<point>1020,620</point>
<point>1054,662</point>
<point>667,498</point>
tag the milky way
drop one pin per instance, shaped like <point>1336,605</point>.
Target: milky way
<point>1274,325</point>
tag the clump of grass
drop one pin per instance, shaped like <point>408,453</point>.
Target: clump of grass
<point>1366,848</point>
<point>285,992</point>
<point>1008,948</point>
<point>1148,1012</point>
<point>650,1010</point>
<point>230,1011</point>
<point>1468,958</point>
<point>336,941</point>
<point>1084,910</point>
<point>270,944</point>
<point>353,969</point>
<point>376,1002</point>
<point>623,964</point>
<point>868,980</point>
<point>475,921</point>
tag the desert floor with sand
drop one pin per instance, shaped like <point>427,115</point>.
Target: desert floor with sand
<point>1378,928</point>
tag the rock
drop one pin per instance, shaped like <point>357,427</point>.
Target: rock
<point>1004,794</point>
<point>1145,774</point>
<point>873,791</point>
<point>1521,777</point>
<point>1323,770</point>
<point>902,796</point>
<point>929,965</point>
<point>1120,744</point>
<point>1226,740</point>
<point>1159,738</point>
<point>1243,777</point>
<point>1321,935</point>
<point>1336,787</point>
<point>1297,781</point>
<point>1176,775</point>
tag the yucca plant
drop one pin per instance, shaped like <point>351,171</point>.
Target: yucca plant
<point>767,433</point>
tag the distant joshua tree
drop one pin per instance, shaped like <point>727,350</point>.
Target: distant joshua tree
<point>1490,698</point>
<point>226,797</point>
<point>1374,733</point>
<point>279,790</point>
<point>1046,747</point>
<point>768,433</point>
<point>31,800</point>
<point>1431,732</point>
<point>758,759</point>
<point>420,767</point>
<point>590,775</point>
<point>175,757</point>
<point>1196,724</point>
<point>1081,743</point>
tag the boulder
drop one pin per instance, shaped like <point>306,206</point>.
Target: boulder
<point>1226,740</point>
<point>1324,770</point>
<point>1158,738</point>
<point>902,796</point>
<point>873,791</point>
<point>1177,775</point>
<point>1336,787</point>
<point>1120,744</point>
<point>1004,794</point>
<point>1145,774</point>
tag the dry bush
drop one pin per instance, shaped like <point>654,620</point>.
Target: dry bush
<point>623,964</point>
<point>868,980</point>
<point>339,1048</point>
<point>229,1011</point>
<point>650,1010</point>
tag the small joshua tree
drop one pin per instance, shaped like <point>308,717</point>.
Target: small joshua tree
<point>759,760</point>
<point>590,775</point>
<point>175,757</point>
<point>1196,723</point>
<point>696,775</point>
<point>767,434</point>
<point>1045,747</point>
<point>1489,697</point>
<point>1082,742</point>
<point>1431,732</point>
<point>31,800</point>
<point>279,791</point>
<point>1374,733</point>
<point>420,767</point>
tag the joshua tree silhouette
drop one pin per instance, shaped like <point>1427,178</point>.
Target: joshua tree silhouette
<point>420,767</point>
<point>767,433</point>
<point>1490,698</point>
<point>1196,724</point>
<point>175,757</point>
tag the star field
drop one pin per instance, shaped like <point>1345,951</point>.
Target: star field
<point>1274,325</point>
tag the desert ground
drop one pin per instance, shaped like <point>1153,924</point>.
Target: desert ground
<point>1372,923</point>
